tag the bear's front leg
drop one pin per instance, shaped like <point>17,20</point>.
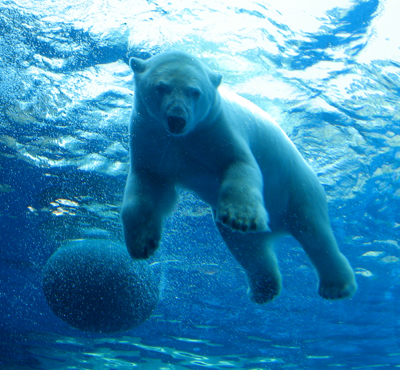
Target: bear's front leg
<point>147,200</point>
<point>240,203</point>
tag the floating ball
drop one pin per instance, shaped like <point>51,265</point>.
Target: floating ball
<point>95,286</point>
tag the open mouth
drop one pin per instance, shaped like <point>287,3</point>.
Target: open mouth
<point>176,125</point>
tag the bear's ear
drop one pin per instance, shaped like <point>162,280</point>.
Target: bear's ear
<point>137,65</point>
<point>216,78</point>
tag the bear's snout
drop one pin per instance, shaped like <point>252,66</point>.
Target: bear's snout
<point>177,113</point>
<point>176,125</point>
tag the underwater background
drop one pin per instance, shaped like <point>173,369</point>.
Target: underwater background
<point>328,71</point>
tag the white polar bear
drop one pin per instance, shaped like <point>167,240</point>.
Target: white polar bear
<point>184,131</point>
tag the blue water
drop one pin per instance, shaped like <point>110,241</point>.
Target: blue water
<point>327,71</point>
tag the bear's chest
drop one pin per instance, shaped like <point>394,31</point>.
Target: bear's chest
<point>195,164</point>
<point>176,156</point>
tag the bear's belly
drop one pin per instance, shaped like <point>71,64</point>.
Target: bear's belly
<point>206,185</point>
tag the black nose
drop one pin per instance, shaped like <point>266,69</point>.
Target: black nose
<point>176,125</point>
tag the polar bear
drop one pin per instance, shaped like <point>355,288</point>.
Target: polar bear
<point>186,131</point>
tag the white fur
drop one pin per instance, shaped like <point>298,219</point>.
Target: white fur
<point>185,131</point>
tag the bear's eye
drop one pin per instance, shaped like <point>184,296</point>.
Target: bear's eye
<point>161,88</point>
<point>195,93</point>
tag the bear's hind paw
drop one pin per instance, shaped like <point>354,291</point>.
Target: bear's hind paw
<point>263,291</point>
<point>334,291</point>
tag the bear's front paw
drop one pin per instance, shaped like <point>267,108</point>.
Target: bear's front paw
<point>248,217</point>
<point>143,248</point>
<point>142,232</point>
<point>141,241</point>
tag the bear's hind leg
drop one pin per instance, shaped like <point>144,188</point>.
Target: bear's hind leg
<point>313,231</point>
<point>254,251</point>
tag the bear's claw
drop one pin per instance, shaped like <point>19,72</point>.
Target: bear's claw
<point>244,214</point>
<point>244,221</point>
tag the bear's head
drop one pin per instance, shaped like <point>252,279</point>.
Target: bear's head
<point>176,89</point>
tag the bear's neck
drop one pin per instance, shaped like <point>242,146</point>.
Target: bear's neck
<point>214,112</point>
